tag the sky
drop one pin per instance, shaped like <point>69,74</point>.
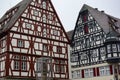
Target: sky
<point>68,10</point>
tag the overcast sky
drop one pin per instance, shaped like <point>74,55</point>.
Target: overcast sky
<point>68,9</point>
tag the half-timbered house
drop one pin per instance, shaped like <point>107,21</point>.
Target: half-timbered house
<point>28,31</point>
<point>95,46</point>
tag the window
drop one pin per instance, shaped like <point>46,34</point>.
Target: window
<point>2,43</point>
<point>62,64</point>
<point>87,42</point>
<point>57,67</point>
<point>114,48</point>
<point>20,43</point>
<point>78,73</point>
<point>55,32</point>
<point>45,47</point>
<point>104,70</point>
<point>88,72</point>
<point>74,58</point>
<point>59,49</point>
<point>35,13</point>
<point>74,74</point>
<point>109,48</point>
<point>44,32</point>
<point>50,17</point>
<point>44,18</point>
<point>23,63</point>
<point>20,60</point>
<point>28,25</point>
<point>44,5</point>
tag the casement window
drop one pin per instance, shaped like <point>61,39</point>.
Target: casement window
<point>44,18</point>
<point>20,63</point>
<point>38,65</point>
<point>102,53</point>
<point>23,63</point>
<point>2,43</point>
<point>118,46</point>
<point>44,32</point>
<point>104,70</point>
<point>62,65</point>
<point>78,73</point>
<point>57,66</point>
<point>35,13</point>
<point>74,58</point>
<point>28,25</point>
<point>87,42</point>
<point>16,62</point>
<point>44,4</point>
<point>50,17</point>
<point>108,48</point>
<point>20,43</point>
<point>59,49</point>
<point>114,47</point>
<point>55,32</point>
<point>88,73</point>
<point>74,74</point>
<point>45,47</point>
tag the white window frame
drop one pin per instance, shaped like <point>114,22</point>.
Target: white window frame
<point>104,70</point>
<point>20,43</point>
<point>88,73</point>
<point>44,5</point>
<point>28,25</point>
<point>35,12</point>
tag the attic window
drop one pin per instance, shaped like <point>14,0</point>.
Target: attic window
<point>44,4</point>
<point>44,18</point>
<point>35,12</point>
<point>28,25</point>
<point>20,43</point>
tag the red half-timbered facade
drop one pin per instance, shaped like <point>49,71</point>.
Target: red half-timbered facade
<point>28,31</point>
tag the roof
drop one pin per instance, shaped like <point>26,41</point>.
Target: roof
<point>101,17</point>
<point>70,33</point>
<point>21,7</point>
<point>14,17</point>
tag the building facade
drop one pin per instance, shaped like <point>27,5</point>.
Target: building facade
<point>28,31</point>
<point>95,46</point>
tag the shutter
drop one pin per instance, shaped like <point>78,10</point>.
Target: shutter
<point>98,73</point>
<point>111,70</point>
<point>119,69</point>
<point>86,29</point>
<point>94,72</point>
<point>82,73</point>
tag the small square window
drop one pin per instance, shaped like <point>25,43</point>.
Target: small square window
<point>27,25</point>
<point>35,13</point>
<point>59,49</point>
<point>20,43</point>
<point>45,47</point>
<point>55,32</point>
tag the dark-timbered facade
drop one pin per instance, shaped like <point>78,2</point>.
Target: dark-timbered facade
<point>95,46</point>
<point>28,31</point>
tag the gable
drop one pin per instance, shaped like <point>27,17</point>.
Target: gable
<point>39,18</point>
